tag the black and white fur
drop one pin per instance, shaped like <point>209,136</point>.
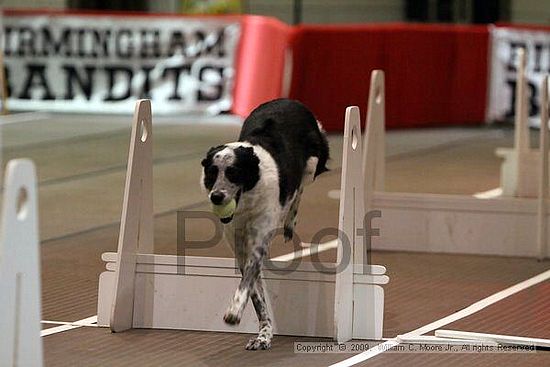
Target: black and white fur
<point>281,148</point>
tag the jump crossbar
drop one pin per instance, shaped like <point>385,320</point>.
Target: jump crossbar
<point>500,339</point>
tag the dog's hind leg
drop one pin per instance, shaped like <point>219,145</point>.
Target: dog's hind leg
<point>261,305</point>
<point>292,216</point>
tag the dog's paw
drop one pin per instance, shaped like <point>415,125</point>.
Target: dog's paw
<point>232,318</point>
<point>258,343</point>
<point>236,308</point>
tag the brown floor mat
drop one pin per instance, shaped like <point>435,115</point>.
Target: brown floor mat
<point>422,288</point>
<point>538,359</point>
<point>526,313</point>
<point>99,347</point>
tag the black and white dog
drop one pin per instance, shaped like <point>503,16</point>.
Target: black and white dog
<point>281,148</point>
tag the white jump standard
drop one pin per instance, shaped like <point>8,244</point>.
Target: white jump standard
<point>512,226</point>
<point>144,290</point>
<point>424,222</point>
<point>20,269</point>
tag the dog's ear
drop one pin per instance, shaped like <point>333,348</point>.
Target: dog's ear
<point>208,160</point>
<point>248,165</point>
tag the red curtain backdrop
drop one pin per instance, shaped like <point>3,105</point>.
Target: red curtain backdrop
<point>435,74</point>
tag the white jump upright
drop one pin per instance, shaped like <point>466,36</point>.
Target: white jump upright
<point>144,290</point>
<point>136,225</point>
<point>20,269</point>
<point>521,164</point>
<point>358,166</point>
<point>542,218</point>
<point>522,143</point>
<point>374,161</point>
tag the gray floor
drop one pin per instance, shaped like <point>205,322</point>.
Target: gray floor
<point>81,163</point>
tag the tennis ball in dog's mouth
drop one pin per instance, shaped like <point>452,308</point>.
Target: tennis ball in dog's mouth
<point>225,211</point>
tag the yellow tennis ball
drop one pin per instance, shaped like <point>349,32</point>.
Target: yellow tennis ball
<point>225,211</point>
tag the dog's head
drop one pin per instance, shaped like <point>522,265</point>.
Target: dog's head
<point>229,171</point>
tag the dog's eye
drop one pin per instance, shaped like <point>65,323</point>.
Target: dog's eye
<point>210,174</point>
<point>211,171</point>
<point>232,174</point>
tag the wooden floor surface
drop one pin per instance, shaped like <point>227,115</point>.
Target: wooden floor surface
<point>81,163</point>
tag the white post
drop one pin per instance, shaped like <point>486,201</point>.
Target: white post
<point>20,269</point>
<point>351,214</point>
<point>521,133</point>
<point>374,147</point>
<point>369,300</point>
<point>542,235</point>
<point>136,224</point>
<point>521,129</point>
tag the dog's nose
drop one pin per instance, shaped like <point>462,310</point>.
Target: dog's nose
<point>217,197</point>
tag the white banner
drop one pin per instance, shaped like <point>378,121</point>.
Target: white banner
<point>103,64</point>
<point>504,44</point>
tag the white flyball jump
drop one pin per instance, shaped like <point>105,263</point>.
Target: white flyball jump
<point>509,226</point>
<point>144,290</point>
<point>20,344</point>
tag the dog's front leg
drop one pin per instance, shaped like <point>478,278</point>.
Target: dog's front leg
<point>259,299</point>
<point>251,271</point>
<point>258,241</point>
<point>261,305</point>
